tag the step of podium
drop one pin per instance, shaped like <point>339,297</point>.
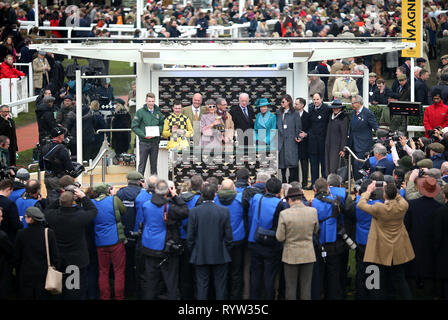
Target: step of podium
<point>115,176</point>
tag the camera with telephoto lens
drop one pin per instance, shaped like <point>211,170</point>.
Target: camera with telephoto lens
<point>343,234</point>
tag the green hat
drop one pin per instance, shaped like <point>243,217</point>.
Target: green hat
<point>425,163</point>
<point>372,74</point>
<point>402,77</point>
<point>101,188</point>
<point>134,175</point>
<point>260,102</point>
<point>436,147</point>
<point>35,213</point>
<point>405,162</point>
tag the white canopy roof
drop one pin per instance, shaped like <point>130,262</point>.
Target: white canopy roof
<point>221,53</point>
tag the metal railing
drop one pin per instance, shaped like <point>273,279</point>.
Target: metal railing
<point>349,167</point>
<point>33,166</point>
<point>105,148</point>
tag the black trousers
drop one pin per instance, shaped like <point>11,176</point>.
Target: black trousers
<point>393,284</point>
<point>33,287</point>
<point>304,167</point>
<point>330,270</point>
<point>75,294</point>
<point>130,274</point>
<point>293,174</point>
<point>150,149</point>
<point>203,273</point>
<point>186,275</point>
<point>315,160</point>
<point>168,272</point>
<point>264,265</point>
<point>361,291</point>
<point>236,272</point>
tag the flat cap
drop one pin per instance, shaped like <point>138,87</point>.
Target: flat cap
<point>134,175</point>
<point>35,213</point>
<point>101,188</point>
<point>425,163</point>
<point>372,74</point>
<point>436,147</point>
<point>444,57</point>
<point>402,77</point>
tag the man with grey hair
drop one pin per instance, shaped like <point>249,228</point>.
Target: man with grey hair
<point>360,139</point>
<point>416,156</point>
<point>380,161</point>
<point>243,115</point>
<point>160,245</point>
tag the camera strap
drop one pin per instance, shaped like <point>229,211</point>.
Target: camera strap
<point>335,204</point>
<point>45,157</point>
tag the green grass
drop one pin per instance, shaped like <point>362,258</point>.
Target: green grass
<point>25,158</point>
<point>26,118</point>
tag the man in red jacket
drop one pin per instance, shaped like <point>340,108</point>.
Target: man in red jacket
<point>436,114</point>
<point>7,69</point>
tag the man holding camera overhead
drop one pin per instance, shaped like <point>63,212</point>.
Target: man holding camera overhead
<point>388,245</point>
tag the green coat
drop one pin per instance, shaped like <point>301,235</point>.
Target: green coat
<point>143,118</point>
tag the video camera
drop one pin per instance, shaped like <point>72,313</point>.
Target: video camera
<point>77,170</point>
<point>5,173</point>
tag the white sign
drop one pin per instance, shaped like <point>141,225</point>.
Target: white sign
<point>152,131</point>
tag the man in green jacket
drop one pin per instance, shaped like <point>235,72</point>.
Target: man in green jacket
<point>148,116</point>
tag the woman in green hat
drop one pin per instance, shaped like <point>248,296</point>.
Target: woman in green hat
<point>265,123</point>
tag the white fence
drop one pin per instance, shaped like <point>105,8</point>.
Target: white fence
<point>14,90</point>
<point>119,30</point>
<point>17,93</point>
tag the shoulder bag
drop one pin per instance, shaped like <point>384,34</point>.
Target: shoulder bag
<point>53,282</point>
<point>264,236</point>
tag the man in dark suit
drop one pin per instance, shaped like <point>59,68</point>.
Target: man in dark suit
<point>243,115</point>
<point>209,239</point>
<point>299,105</point>
<point>319,115</point>
<point>421,90</point>
<point>360,135</point>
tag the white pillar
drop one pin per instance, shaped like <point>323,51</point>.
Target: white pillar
<point>412,78</point>
<point>36,12</point>
<point>139,13</point>
<point>300,81</point>
<point>365,88</point>
<point>79,120</point>
<point>242,4</point>
<point>143,86</point>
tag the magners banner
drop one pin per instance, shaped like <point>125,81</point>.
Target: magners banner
<point>412,27</point>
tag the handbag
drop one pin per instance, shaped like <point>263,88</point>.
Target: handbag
<point>53,282</point>
<point>342,171</point>
<point>264,236</point>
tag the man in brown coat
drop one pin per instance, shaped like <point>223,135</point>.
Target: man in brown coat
<point>296,227</point>
<point>388,244</point>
